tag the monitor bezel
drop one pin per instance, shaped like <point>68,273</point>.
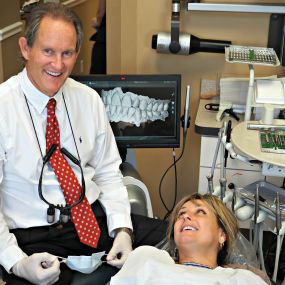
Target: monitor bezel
<point>149,141</point>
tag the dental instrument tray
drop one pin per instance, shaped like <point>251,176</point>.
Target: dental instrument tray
<point>251,55</point>
<point>272,141</point>
<point>267,196</point>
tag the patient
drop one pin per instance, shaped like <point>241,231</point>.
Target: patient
<point>202,230</point>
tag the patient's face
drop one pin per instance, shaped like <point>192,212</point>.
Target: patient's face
<point>196,228</point>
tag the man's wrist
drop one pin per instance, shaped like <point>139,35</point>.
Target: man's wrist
<point>126,230</point>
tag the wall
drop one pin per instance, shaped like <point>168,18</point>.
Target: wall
<point>86,10</point>
<point>10,28</point>
<point>130,26</point>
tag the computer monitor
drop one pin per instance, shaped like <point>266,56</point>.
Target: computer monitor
<point>143,110</point>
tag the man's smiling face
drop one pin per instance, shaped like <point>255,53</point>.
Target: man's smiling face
<point>50,60</point>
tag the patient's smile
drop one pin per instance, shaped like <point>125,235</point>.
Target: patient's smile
<point>189,228</point>
<point>196,225</point>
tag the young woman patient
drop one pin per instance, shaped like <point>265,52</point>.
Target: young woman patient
<point>202,230</point>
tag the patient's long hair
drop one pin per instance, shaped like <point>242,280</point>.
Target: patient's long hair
<point>225,220</point>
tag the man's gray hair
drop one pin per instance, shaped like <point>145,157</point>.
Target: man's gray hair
<point>56,11</point>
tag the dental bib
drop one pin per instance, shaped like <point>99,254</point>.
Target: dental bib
<point>84,264</point>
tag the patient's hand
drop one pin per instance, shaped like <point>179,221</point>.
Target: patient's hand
<point>254,270</point>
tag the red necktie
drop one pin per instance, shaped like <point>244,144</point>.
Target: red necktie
<point>81,215</point>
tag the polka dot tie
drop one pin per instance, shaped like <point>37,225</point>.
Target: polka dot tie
<point>81,215</point>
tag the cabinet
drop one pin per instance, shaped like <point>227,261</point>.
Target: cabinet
<point>237,172</point>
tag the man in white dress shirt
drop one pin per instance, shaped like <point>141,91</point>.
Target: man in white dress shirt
<point>29,244</point>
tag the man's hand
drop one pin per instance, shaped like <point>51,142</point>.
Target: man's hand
<point>122,246</point>
<point>39,268</point>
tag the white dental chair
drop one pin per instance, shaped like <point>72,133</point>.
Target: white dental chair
<point>137,191</point>
<point>140,205</point>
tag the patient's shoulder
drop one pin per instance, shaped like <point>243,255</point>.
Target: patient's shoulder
<point>152,252</point>
<point>254,270</point>
<point>147,249</point>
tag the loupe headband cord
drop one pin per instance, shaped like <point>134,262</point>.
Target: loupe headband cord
<point>47,157</point>
<point>71,127</point>
<point>75,161</point>
<point>38,142</point>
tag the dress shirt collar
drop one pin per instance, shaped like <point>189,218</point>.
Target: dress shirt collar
<point>35,97</point>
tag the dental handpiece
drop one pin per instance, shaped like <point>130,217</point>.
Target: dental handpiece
<point>210,184</point>
<point>256,209</point>
<point>251,126</point>
<point>210,177</point>
<point>278,214</point>
<point>223,185</point>
<point>233,187</point>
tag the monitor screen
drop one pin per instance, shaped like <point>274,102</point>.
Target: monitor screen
<point>143,110</point>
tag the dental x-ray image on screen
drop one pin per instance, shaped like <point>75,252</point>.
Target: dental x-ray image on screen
<point>143,110</point>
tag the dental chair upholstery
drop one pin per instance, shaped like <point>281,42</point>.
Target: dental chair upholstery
<point>137,191</point>
<point>140,204</point>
